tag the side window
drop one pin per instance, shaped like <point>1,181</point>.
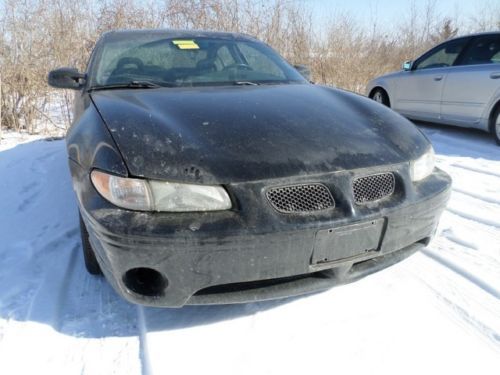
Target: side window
<point>442,57</point>
<point>224,56</point>
<point>259,61</point>
<point>484,50</point>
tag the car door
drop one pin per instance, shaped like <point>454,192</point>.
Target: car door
<point>419,90</point>
<point>471,84</point>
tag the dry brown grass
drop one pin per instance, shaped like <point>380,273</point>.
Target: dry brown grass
<point>39,35</point>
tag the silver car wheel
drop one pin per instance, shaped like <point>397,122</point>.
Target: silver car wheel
<point>497,125</point>
<point>378,97</point>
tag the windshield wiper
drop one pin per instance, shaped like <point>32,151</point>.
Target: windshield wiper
<point>245,83</point>
<point>133,85</point>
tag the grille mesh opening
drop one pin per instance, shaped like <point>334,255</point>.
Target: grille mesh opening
<point>300,198</point>
<point>372,188</point>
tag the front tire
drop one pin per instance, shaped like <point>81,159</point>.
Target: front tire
<point>495,126</point>
<point>380,96</point>
<point>89,257</point>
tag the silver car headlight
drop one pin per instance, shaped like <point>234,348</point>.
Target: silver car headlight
<point>152,195</point>
<point>423,166</point>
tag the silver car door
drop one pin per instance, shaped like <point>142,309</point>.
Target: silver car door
<point>419,91</point>
<point>471,84</point>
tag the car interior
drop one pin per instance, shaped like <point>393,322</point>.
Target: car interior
<point>209,63</point>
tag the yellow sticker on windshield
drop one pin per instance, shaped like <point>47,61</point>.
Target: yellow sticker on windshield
<point>186,44</point>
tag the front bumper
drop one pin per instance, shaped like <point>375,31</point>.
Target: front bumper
<point>253,252</point>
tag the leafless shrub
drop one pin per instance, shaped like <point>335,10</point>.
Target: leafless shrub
<point>39,35</point>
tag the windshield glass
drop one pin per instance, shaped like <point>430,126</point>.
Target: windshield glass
<point>190,62</point>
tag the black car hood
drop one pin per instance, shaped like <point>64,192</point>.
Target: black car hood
<point>243,133</point>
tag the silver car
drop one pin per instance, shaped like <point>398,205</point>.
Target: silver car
<point>455,83</point>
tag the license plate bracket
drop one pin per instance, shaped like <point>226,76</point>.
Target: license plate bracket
<point>350,241</point>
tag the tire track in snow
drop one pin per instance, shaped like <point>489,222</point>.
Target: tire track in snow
<point>454,141</point>
<point>449,235</point>
<point>474,218</point>
<point>472,310</point>
<point>39,164</point>
<point>466,226</point>
<point>477,196</point>
<point>466,317</point>
<point>475,263</point>
<point>63,291</point>
<point>480,185</point>
<point>462,272</point>
<point>60,239</point>
<point>143,344</point>
<point>48,302</point>
<point>471,245</point>
<point>474,169</point>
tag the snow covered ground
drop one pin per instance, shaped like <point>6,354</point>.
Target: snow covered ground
<point>437,312</point>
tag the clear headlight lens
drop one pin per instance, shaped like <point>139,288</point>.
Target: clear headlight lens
<point>150,195</point>
<point>423,166</point>
<point>170,196</point>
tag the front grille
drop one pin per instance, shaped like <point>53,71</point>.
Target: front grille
<point>372,188</point>
<point>300,198</point>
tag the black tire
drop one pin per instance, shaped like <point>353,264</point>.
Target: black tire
<point>380,96</point>
<point>89,257</point>
<point>495,125</point>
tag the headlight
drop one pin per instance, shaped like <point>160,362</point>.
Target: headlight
<point>150,195</point>
<point>423,166</point>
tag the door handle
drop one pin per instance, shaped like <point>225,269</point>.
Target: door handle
<point>438,78</point>
<point>495,75</point>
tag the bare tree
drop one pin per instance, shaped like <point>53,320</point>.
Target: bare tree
<point>39,35</point>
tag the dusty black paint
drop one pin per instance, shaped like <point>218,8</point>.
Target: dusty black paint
<point>234,134</point>
<point>247,138</point>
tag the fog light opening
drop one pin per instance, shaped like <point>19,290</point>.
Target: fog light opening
<point>145,281</point>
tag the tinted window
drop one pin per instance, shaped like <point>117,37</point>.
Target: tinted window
<point>443,56</point>
<point>484,50</point>
<point>189,61</point>
<point>259,61</point>
<point>224,58</point>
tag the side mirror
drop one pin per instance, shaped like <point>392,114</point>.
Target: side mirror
<point>407,65</point>
<point>66,78</point>
<point>304,71</point>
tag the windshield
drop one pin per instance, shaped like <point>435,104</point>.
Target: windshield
<point>189,62</point>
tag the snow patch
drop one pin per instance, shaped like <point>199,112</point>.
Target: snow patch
<point>436,312</point>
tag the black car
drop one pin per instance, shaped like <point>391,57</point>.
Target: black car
<point>209,170</point>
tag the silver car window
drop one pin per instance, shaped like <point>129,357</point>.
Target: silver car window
<point>483,50</point>
<point>443,56</point>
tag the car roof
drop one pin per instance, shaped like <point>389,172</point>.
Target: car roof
<point>116,35</point>
<point>484,33</point>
